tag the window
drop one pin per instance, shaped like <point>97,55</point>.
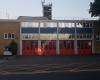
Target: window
<point>91,24</point>
<point>69,25</point>
<point>72,24</point>
<point>71,36</point>
<point>13,36</point>
<point>78,36</point>
<point>5,36</point>
<point>79,25</point>
<point>86,24</point>
<point>35,24</point>
<point>97,37</point>
<point>63,24</point>
<point>84,35</point>
<point>89,36</point>
<point>9,36</point>
<point>29,24</point>
<point>41,24</point>
<point>51,24</point>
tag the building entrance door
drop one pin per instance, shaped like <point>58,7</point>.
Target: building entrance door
<point>84,47</point>
<point>48,47</point>
<point>29,47</point>
<point>66,47</point>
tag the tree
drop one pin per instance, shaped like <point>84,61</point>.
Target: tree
<point>95,8</point>
<point>13,47</point>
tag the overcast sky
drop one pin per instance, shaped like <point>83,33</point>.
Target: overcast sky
<point>61,8</point>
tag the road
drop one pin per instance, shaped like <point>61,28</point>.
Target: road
<point>50,68</point>
<point>92,75</point>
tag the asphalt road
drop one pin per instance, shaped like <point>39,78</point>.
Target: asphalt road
<point>18,60</point>
<point>92,75</point>
<point>50,68</point>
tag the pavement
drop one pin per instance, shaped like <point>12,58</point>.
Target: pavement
<point>23,65</point>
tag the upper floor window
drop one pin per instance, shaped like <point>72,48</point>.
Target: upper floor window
<point>13,36</point>
<point>79,25</point>
<point>9,36</point>
<point>29,24</point>
<point>97,36</point>
<point>51,24</point>
<point>85,36</point>
<point>88,24</point>
<point>5,36</point>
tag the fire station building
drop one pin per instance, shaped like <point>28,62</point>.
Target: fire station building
<point>41,36</point>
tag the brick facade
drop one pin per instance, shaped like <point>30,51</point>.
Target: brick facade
<point>9,27</point>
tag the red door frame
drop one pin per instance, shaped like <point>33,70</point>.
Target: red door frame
<point>84,49</point>
<point>66,47</point>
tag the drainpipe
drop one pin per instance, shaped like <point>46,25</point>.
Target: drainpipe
<point>20,39</point>
<point>57,41</point>
<point>75,41</point>
<point>93,48</point>
<point>39,40</point>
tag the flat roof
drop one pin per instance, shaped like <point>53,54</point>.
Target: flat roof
<point>43,19</point>
<point>9,20</point>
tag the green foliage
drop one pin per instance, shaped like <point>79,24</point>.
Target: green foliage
<point>13,47</point>
<point>95,8</point>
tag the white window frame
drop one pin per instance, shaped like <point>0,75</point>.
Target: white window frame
<point>7,34</point>
<point>12,36</point>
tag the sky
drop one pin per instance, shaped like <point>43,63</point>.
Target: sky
<point>61,8</point>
